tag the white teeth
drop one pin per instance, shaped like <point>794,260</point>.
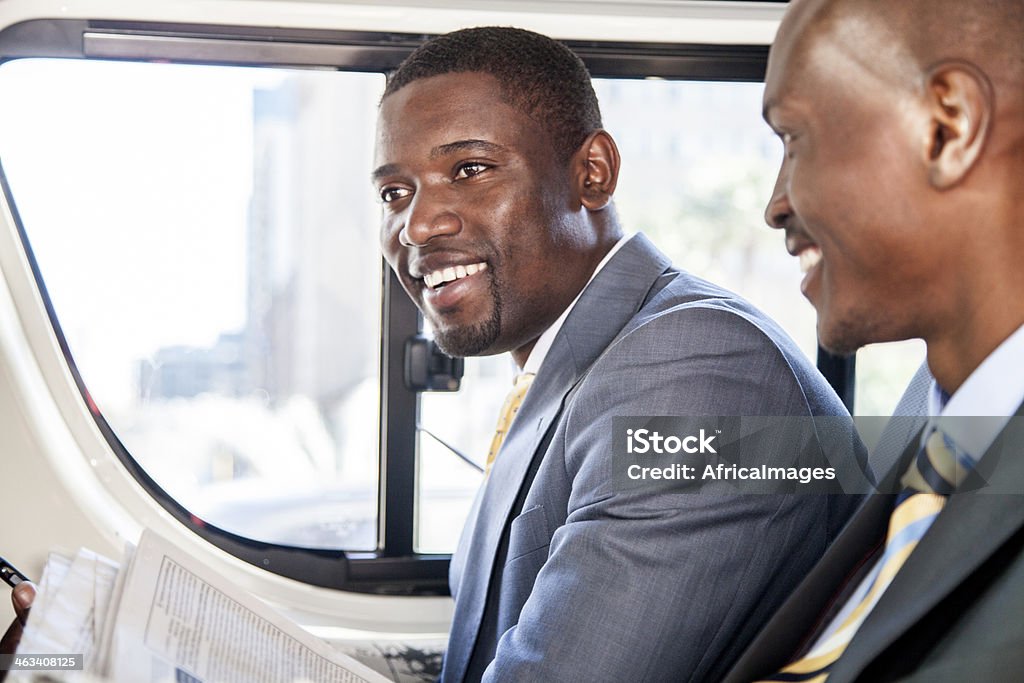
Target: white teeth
<point>809,258</point>
<point>452,273</point>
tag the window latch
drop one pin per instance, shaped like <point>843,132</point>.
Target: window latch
<point>427,368</point>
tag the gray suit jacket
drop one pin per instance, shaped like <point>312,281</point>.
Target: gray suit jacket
<point>559,576</point>
<point>954,612</point>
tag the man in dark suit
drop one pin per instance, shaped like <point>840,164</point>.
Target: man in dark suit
<point>902,193</point>
<point>497,181</point>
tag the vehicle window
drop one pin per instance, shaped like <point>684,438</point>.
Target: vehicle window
<point>883,371</point>
<point>207,237</point>
<point>208,241</point>
<point>464,420</point>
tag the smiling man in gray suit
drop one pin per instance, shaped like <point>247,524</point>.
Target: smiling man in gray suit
<point>497,179</point>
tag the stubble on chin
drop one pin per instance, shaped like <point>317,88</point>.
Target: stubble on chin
<point>472,340</point>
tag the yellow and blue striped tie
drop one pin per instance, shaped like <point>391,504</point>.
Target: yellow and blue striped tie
<point>936,471</point>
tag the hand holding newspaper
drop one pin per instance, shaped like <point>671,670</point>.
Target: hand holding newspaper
<point>162,616</point>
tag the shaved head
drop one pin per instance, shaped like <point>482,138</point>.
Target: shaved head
<point>917,34</point>
<point>985,32</point>
<point>902,186</point>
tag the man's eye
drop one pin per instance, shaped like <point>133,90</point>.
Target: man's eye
<point>470,169</point>
<point>393,194</point>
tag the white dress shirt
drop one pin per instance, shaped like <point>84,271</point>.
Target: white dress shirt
<point>994,390</point>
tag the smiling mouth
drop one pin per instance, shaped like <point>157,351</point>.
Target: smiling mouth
<point>439,278</point>
<point>809,257</point>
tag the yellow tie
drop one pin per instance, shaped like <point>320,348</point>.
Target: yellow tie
<point>929,480</point>
<point>918,509</point>
<point>508,411</point>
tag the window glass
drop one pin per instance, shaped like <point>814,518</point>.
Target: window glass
<point>464,420</point>
<point>209,244</point>
<point>883,371</point>
<point>698,165</point>
<point>208,239</point>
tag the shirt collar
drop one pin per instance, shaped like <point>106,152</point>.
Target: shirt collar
<point>545,340</point>
<point>993,391</point>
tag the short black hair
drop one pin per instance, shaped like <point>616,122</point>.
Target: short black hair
<point>538,75</point>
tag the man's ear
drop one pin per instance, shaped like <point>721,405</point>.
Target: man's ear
<point>961,104</point>
<point>597,170</point>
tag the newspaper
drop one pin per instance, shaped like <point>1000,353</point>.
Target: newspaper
<point>409,660</point>
<point>163,616</point>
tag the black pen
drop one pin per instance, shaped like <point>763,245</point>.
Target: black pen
<point>9,574</point>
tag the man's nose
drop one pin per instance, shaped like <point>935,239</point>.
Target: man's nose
<point>428,217</point>
<point>779,211</point>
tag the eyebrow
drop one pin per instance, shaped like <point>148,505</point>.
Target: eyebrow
<point>385,170</point>
<point>444,150</point>
<point>463,145</point>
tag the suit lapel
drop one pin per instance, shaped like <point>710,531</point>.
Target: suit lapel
<point>973,526</point>
<point>908,418</point>
<point>606,305</point>
<point>801,615</point>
